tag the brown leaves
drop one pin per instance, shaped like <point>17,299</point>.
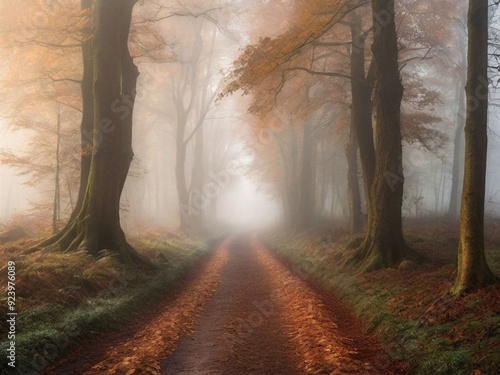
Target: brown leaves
<point>155,339</point>
<point>257,61</point>
<point>320,345</point>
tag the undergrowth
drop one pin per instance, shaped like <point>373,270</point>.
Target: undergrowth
<point>62,298</point>
<point>411,312</point>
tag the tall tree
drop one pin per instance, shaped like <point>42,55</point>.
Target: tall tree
<point>384,243</point>
<point>97,225</point>
<point>473,270</point>
<point>87,122</point>
<point>453,206</point>
<point>361,123</point>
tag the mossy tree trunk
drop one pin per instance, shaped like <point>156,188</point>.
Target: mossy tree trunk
<point>361,136</point>
<point>87,122</point>
<point>473,270</point>
<point>356,219</point>
<point>384,244</point>
<point>97,224</point>
<point>454,203</point>
<point>453,206</point>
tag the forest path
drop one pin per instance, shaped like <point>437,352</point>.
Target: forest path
<point>242,313</point>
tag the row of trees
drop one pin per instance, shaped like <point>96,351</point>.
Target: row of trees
<point>389,82</point>
<point>328,66</point>
<point>303,108</point>
<point>178,86</point>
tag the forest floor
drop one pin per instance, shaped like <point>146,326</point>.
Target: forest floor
<point>243,312</point>
<point>410,308</point>
<point>241,307</point>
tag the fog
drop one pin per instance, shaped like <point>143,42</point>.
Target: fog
<point>206,157</point>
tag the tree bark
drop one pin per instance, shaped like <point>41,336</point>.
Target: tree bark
<point>325,180</point>
<point>473,271</point>
<point>86,128</point>
<point>87,122</point>
<point>289,157</point>
<point>362,85</point>
<point>197,181</point>
<point>293,183</point>
<point>356,222</point>
<point>56,210</point>
<point>183,111</point>
<point>453,207</point>
<point>180,174</point>
<point>384,244</point>
<point>457,148</point>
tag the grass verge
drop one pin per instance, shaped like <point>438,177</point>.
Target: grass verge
<point>410,311</point>
<point>62,299</point>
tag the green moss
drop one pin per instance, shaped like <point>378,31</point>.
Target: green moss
<point>48,330</point>
<point>428,349</point>
<point>456,362</point>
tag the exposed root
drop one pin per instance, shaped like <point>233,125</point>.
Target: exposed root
<point>374,255</point>
<point>75,237</point>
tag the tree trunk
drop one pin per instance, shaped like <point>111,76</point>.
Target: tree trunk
<point>180,176</point>
<point>356,222</point>
<point>97,226</point>
<point>196,193</point>
<point>183,112</point>
<point>455,180</point>
<point>326,178</point>
<point>87,122</point>
<point>384,244</point>
<point>290,196</point>
<point>86,128</point>
<point>361,111</point>
<point>307,175</point>
<point>473,271</point>
<point>56,210</point>
<point>453,207</point>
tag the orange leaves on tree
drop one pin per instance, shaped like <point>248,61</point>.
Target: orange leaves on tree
<point>257,61</point>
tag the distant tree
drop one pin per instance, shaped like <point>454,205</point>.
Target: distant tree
<point>293,143</point>
<point>473,270</point>
<point>337,38</point>
<point>41,81</point>
<point>51,162</point>
<point>194,87</point>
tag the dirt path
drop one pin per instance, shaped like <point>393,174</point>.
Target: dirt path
<point>244,313</point>
<point>240,331</point>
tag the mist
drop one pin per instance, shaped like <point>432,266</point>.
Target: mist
<point>242,187</point>
<point>184,63</point>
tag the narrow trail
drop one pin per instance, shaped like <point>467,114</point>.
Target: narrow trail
<point>240,331</point>
<point>243,313</point>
